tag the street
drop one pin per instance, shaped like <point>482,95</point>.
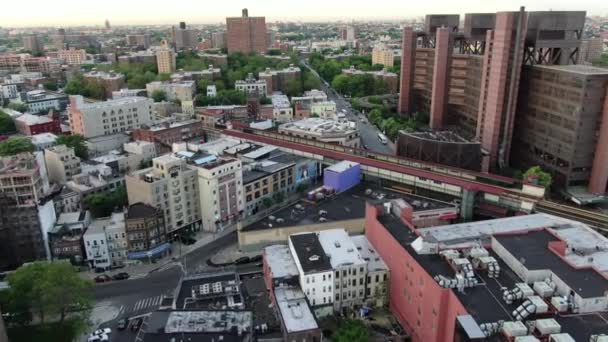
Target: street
<point>367,131</point>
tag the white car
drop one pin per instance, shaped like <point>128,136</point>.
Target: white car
<point>98,338</point>
<point>99,332</point>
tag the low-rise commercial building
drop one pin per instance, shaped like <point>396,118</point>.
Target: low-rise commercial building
<point>323,130</point>
<point>265,180</point>
<point>29,124</point>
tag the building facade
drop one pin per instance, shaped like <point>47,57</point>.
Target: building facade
<point>181,91</point>
<point>145,227</point>
<point>246,34</point>
<point>382,55</point>
<point>61,163</point>
<point>73,56</point>
<point>165,60</point>
<point>108,117</point>
<point>323,130</point>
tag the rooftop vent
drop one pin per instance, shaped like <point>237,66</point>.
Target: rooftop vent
<point>337,244</point>
<point>314,258</point>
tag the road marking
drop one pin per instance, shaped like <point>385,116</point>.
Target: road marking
<point>138,304</point>
<point>122,307</point>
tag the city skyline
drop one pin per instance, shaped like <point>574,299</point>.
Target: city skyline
<point>64,13</point>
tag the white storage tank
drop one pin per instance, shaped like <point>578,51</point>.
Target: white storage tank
<point>541,306</point>
<point>559,303</point>
<point>525,289</point>
<point>543,289</point>
<point>526,339</point>
<point>514,329</point>
<point>548,326</point>
<point>561,338</point>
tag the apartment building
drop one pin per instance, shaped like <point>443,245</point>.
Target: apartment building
<point>41,101</point>
<point>277,80</point>
<point>165,60</point>
<point>184,37</point>
<point>281,109</point>
<point>25,214</point>
<point>141,41</point>
<point>108,117</point>
<point>218,40</point>
<point>220,184</point>
<point>246,34</point>
<point>180,91</point>
<point>61,163</point>
<point>390,79</point>
<point>323,130</point>
<point>146,149</point>
<point>139,57</point>
<point>65,238</point>
<point>251,86</point>
<point>110,81</point>
<point>591,50</point>
<point>29,124</point>
<point>33,44</point>
<point>383,55</point>
<point>145,227</point>
<point>164,135</point>
<point>24,62</point>
<point>96,245</point>
<point>72,56</point>
<point>172,186</point>
<point>116,238</point>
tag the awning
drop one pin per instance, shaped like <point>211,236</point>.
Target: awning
<point>160,249</point>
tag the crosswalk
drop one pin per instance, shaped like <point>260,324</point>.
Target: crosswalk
<point>147,304</point>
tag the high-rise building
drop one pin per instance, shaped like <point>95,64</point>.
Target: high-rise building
<point>165,59</point>
<point>107,24</point>
<point>382,55</point>
<point>246,34</point>
<point>73,56</point>
<point>470,81</point>
<point>347,32</point>
<point>33,44</point>
<point>108,117</point>
<point>218,40</point>
<point>591,50</point>
<point>184,37</point>
<point>172,186</point>
<point>138,40</point>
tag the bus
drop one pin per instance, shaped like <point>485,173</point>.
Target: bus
<point>382,138</point>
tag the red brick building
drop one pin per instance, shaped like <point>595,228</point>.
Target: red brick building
<point>167,134</point>
<point>246,34</point>
<point>28,124</point>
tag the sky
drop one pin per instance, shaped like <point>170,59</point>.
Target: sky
<point>133,12</point>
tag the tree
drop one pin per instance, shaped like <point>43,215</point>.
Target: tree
<point>163,77</point>
<point>536,175</point>
<point>52,86</point>
<point>310,80</point>
<point>18,106</point>
<point>159,95</point>
<point>75,141</point>
<point>294,88</point>
<point>48,289</point>
<point>351,331</point>
<point>201,85</point>
<point>7,125</point>
<point>278,197</point>
<point>273,52</point>
<point>340,83</point>
<point>267,202</point>
<point>16,145</point>
<point>105,203</point>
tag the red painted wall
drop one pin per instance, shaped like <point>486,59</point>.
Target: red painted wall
<point>426,311</point>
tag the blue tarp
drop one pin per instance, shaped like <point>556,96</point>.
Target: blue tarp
<point>149,253</point>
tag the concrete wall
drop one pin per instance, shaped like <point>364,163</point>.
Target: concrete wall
<point>254,240</point>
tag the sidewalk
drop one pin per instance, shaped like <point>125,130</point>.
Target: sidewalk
<point>143,268</point>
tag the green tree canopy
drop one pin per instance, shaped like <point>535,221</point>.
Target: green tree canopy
<point>294,88</point>
<point>103,204</point>
<point>351,331</point>
<point>7,125</point>
<point>159,95</point>
<point>75,141</point>
<point>48,289</point>
<point>15,145</point>
<point>536,175</point>
<point>78,85</point>
<point>224,97</point>
<point>18,106</point>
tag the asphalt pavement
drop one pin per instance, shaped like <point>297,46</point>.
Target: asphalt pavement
<point>367,131</point>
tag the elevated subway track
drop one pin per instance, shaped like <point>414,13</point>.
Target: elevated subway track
<point>597,220</point>
<point>498,190</point>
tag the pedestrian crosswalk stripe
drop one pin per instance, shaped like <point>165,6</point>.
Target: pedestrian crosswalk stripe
<point>150,302</point>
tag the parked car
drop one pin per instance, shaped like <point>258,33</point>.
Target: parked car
<point>122,324</point>
<point>136,324</point>
<point>98,338</point>
<point>104,331</point>
<point>121,276</point>
<point>102,278</point>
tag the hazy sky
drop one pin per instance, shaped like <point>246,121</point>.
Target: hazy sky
<point>121,12</point>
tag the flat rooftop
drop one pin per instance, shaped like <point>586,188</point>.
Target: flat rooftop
<point>533,249</point>
<point>280,261</point>
<point>586,70</point>
<point>183,299</point>
<point>343,251</point>
<point>369,254</point>
<point>347,205</point>
<point>310,253</point>
<point>294,310</point>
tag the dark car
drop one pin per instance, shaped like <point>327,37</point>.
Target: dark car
<point>121,276</point>
<point>136,324</point>
<point>122,324</point>
<point>102,278</point>
<point>188,241</point>
<point>242,260</point>
<point>256,258</point>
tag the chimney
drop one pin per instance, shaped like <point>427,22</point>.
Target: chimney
<point>245,13</point>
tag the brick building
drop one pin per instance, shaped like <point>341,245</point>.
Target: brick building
<point>165,135</point>
<point>29,124</point>
<point>246,34</point>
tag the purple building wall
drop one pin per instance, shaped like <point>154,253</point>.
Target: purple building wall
<point>342,176</point>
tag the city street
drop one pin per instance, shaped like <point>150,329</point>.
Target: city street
<point>367,131</point>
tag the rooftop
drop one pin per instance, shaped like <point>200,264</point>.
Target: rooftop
<point>260,152</point>
<point>318,126</point>
<point>210,291</point>
<point>280,101</point>
<point>280,261</point>
<point>294,310</point>
<point>310,253</point>
<point>43,138</point>
<point>30,119</point>
<point>342,166</point>
<point>140,210</point>
<point>581,69</point>
<point>369,254</point>
<point>114,102</point>
<point>340,248</point>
